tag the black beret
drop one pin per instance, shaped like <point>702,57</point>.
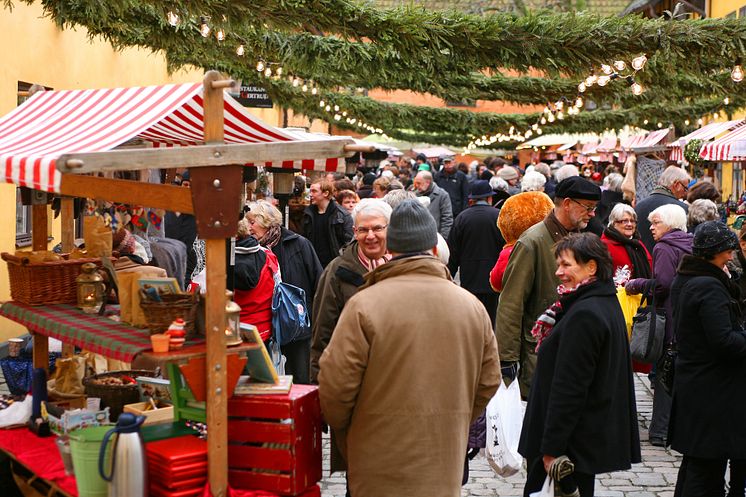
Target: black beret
<point>577,187</point>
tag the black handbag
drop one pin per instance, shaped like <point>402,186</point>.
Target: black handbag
<point>648,328</point>
<point>666,368</point>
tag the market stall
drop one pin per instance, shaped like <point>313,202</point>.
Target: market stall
<point>705,133</point>
<point>729,152</point>
<point>60,142</point>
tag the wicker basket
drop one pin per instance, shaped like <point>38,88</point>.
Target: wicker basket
<point>160,315</point>
<point>40,283</point>
<point>115,397</point>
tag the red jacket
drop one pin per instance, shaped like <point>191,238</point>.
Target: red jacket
<point>496,275</point>
<point>256,304</point>
<point>620,257</point>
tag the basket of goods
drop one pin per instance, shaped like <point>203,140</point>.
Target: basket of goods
<point>161,311</point>
<point>115,389</point>
<point>43,277</point>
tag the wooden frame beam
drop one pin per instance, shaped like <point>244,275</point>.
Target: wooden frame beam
<point>170,197</point>
<point>213,154</point>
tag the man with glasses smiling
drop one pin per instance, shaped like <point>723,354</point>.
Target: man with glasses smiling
<point>673,185</point>
<point>529,282</point>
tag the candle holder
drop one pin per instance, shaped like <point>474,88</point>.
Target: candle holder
<point>232,321</point>
<point>91,289</point>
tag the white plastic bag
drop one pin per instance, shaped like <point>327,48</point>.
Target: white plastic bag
<point>546,491</point>
<point>504,421</point>
<point>18,413</point>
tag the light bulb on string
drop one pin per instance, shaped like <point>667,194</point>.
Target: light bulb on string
<point>328,108</point>
<point>620,65</point>
<point>534,126</point>
<point>336,108</point>
<point>279,71</point>
<point>543,120</point>
<point>304,88</point>
<point>268,72</point>
<point>639,62</point>
<point>539,131</point>
<point>645,121</point>
<point>737,73</point>
<point>726,100</point>
<point>660,125</point>
<point>322,103</point>
<point>296,82</point>
<point>260,66</point>
<point>559,105</point>
<point>173,18</point>
<point>204,29</point>
<point>579,102</point>
<point>337,117</point>
<point>603,80</point>
<point>637,89</point>
<point>547,110</point>
<point>606,69</point>
<point>715,115</point>
<point>220,35</point>
<point>686,122</point>
<point>551,118</point>
<point>700,121</point>
<point>344,113</point>
<point>240,50</point>
<point>314,90</point>
<point>581,87</point>
<point>560,115</point>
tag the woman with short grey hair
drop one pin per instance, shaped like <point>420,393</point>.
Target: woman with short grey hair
<point>700,211</point>
<point>533,181</point>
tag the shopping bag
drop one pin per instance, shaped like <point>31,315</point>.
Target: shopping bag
<point>629,304</point>
<point>648,328</point>
<point>504,421</point>
<point>546,491</point>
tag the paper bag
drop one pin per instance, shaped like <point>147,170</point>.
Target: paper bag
<point>69,374</point>
<point>97,237</point>
<point>129,299</point>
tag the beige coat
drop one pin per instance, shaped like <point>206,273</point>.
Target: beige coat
<point>402,378</point>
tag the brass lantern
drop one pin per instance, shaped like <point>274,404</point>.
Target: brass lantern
<point>232,321</point>
<point>91,289</point>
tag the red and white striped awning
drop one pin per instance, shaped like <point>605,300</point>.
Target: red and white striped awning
<point>648,140</point>
<point>706,132</point>
<point>727,148</point>
<point>51,123</point>
<point>607,145</point>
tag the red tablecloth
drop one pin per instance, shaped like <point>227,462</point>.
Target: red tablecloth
<point>39,454</point>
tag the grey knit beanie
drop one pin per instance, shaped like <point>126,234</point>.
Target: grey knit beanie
<point>411,229</point>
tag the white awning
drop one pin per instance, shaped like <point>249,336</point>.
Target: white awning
<point>727,148</point>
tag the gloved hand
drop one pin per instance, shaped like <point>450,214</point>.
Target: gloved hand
<point>509,369</point>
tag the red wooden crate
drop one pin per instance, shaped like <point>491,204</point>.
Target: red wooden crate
<point>274,441</point>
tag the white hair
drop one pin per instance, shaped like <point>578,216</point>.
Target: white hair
<point>396,197</point>
<point>497,183</point>
<point>671,215</point>
<point>443,251</point>
<point>371,207</point>
<point>701,210</point>
<point>613,182</point>
<point>619,211</point>
<point>533,181</point>
<point>264,213</point>
<point>671,175</point>
<point>565,172</point>
<point>387,174</point>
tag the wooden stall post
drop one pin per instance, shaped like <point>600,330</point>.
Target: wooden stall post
<point>39,240</point>
<point>217,404</point>
<point>67,218</point>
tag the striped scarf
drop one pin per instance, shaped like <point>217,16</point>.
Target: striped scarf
<point>543,327</point>
<point>371,264</point>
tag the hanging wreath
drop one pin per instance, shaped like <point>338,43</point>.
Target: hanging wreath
<point>691,152</point>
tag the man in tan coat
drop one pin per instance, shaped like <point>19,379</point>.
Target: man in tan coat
<point>402,379</point>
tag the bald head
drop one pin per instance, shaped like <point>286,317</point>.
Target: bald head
<point>423,180</point>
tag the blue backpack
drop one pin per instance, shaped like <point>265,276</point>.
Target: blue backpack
<point>290,319</point>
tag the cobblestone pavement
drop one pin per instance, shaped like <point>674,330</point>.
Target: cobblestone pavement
<point>654,477</point>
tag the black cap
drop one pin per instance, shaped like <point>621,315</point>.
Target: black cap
<point>577,187</point>
<point>369,178</point>
<point>713,237</point>
<point>480,189</point>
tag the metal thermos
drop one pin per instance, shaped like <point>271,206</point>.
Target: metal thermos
<point>128,476</point>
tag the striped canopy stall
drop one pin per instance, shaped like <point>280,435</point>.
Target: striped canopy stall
<point>706,132</point>
<point>727,148</point>
<point>52,123</point>
<point>645,141</point>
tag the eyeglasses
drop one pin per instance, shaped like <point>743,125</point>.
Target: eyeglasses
<point>375,229</point>
<point>684,185</point>
<point>626,221</point>
<point>587,208</point>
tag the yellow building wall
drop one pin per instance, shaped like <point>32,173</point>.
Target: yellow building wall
<point>36,51</point>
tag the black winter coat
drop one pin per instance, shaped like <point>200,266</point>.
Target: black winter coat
<point>709,404</point>
<point>582,399</point>
<point>299,265</point>
<point>457,186</point>
<point>339,228</point>
<point>475,243</point>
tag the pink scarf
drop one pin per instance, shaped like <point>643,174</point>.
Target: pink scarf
<point>371,264</point>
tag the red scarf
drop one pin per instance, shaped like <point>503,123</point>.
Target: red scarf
<point>371,264</point>
<point>549,318</point>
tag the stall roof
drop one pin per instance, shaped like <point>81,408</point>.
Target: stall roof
<point>706,132</point>
<point>52,123</point>
<point>431,152</point>
<point>608,144</point>
<point>645,141</point>
<point>726,148</point>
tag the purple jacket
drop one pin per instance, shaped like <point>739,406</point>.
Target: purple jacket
<point>667,253</point>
